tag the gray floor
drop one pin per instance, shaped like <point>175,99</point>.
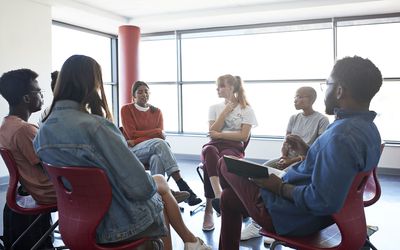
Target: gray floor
<point>382,214</point>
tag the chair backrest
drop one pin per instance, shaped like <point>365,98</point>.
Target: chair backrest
<point>351,218</point>
<point>372,191</point>
<point>348,232</point>
<point>83,198</point>
<point>13,186</point>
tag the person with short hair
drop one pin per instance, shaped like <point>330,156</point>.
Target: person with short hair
<point>308,125</point>
<point>304,199</point>
<point>23,94</point>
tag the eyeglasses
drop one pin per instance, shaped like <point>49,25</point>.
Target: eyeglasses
<point>40,92</point>
<point>324,85</point>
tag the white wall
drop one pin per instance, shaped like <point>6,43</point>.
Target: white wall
<point>267,149</point>
<point>25,42</point>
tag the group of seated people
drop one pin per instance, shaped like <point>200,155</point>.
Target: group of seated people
<point>320,160</point>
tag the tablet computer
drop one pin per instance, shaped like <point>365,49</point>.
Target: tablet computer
<point>249,169</point>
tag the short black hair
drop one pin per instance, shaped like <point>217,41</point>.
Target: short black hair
<point>54,76</point>
<point>15,84</point>
<point>360,76</point>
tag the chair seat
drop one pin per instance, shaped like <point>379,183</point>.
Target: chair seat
<point>329,237</point>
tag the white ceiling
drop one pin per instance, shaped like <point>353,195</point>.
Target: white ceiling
<point>168,15</point>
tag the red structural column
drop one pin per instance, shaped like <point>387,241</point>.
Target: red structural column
<point>128,47</point>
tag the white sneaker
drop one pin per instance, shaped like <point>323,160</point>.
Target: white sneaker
<point>198,245</point>
<point>251,231</point>
<point>268,241</point>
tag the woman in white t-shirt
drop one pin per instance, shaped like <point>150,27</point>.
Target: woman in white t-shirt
<point>230,124</point>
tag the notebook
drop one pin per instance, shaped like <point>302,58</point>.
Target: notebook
<point>249,169</point>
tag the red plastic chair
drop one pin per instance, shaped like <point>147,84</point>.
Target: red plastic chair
<point>348,232</point>
<point>372,191</point>
<point>82,207</point>
<point>11,199</point>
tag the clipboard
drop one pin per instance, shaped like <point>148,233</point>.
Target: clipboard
<point>249,169</point>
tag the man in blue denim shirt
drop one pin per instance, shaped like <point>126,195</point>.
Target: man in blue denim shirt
<point>303,201</point>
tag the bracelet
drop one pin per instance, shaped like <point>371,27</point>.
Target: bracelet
<point>280,192</point>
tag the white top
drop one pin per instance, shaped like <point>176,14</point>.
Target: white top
<point>235,119</point>
<point>143,109</point>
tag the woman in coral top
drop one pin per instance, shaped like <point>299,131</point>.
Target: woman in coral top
<point>143,128</point>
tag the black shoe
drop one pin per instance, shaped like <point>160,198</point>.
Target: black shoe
<point>193,199</point>
<point>216,205</point>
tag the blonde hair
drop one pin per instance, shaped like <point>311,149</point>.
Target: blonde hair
<point>80,80</point>
<point>238,89</point>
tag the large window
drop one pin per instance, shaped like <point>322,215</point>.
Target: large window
<point>377,39</point>
<point>293,52</point>
<point>68,40</point>
<point>158,67</point>
<point>158,59</point>
<point>273,60</point>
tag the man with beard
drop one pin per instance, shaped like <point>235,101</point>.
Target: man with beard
<point>303,201</point>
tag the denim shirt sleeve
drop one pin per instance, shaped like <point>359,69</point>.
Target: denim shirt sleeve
<point>129,173</point>
<point>340,164</point>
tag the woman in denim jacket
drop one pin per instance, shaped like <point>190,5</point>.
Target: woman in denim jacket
<point>78,132</point>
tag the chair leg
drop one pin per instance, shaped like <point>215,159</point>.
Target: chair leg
<point>198,208</point>
<point>26,231</point>
<point>43,238</point>
<point>203,204</point>
<point>370,245</point>
<point>198,172</point>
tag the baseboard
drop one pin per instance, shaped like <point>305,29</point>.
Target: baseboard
<point>389,171</point>
<point>187,157</point>
<point>4,180</point>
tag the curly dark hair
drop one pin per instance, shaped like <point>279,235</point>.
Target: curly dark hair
<point>15,84</point>
<point>360,76</point>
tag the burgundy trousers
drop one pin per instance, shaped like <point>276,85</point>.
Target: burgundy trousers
<point>211,154</point>
<point>240,198</point>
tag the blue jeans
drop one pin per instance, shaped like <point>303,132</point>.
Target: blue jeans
<point>157,154</point>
